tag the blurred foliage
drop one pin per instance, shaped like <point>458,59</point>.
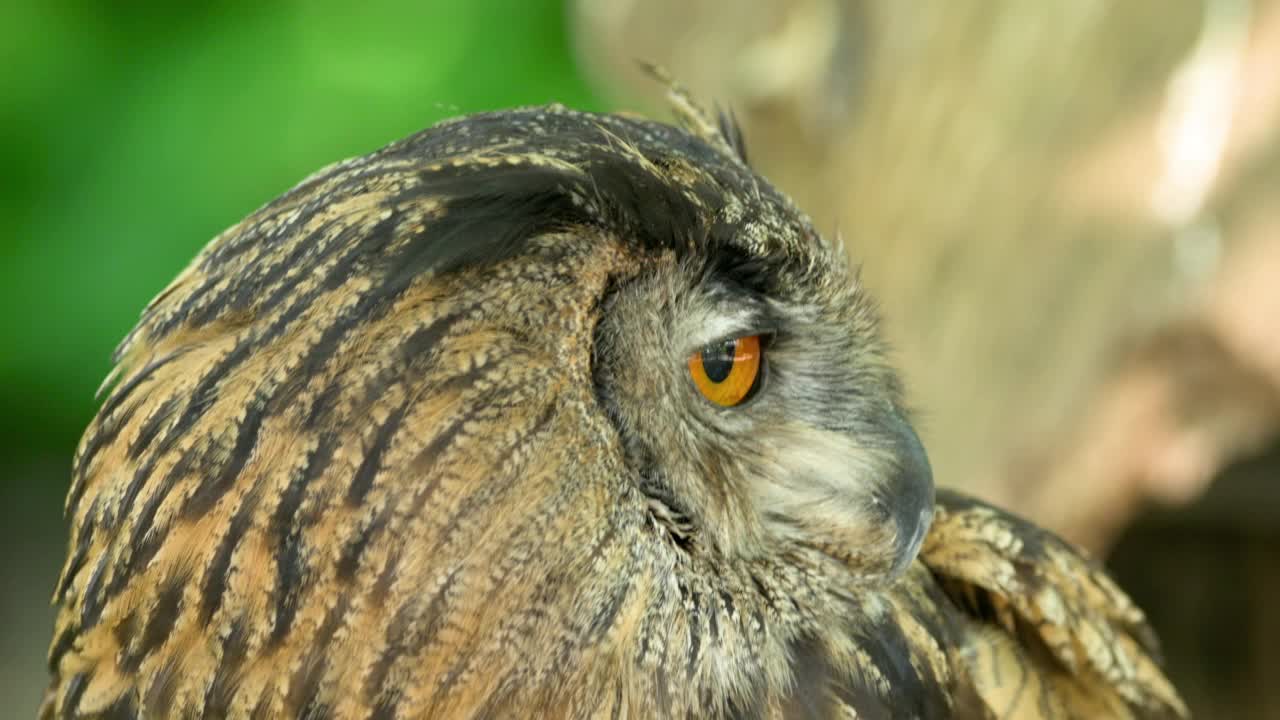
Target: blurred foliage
<point>134,132</point>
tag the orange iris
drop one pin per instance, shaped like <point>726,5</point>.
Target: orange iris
<point>727,372</point>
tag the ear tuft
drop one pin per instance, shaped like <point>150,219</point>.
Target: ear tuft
<point>720,130</point>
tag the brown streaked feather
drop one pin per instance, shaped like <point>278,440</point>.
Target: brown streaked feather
<point>1051,635</point>
<point>356,465</point>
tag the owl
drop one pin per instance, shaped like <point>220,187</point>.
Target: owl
<point>545,413</point>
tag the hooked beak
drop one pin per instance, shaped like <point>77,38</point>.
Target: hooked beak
<point>907,496</point>
<point>864,497</point>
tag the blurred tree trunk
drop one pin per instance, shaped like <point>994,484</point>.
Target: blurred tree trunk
<point>1062,207</point>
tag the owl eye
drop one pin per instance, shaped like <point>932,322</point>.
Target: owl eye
<point>727,373</point>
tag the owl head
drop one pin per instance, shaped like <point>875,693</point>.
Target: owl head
<point>522,380</point>
<point>743,373</point>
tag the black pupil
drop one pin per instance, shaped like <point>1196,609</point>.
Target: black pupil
<point>717,360</point>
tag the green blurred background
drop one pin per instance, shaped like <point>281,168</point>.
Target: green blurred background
<point>133,132</point>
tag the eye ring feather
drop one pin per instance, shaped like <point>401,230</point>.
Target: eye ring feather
<point>729,372</point>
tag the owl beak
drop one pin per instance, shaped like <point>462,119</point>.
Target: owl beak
<point>907,495</point>
<point>862,497</point>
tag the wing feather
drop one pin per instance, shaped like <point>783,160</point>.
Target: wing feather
<point>1044,613</point>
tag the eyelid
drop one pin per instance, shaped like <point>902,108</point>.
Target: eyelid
<point>766,336</point>
<point>732,323</point>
